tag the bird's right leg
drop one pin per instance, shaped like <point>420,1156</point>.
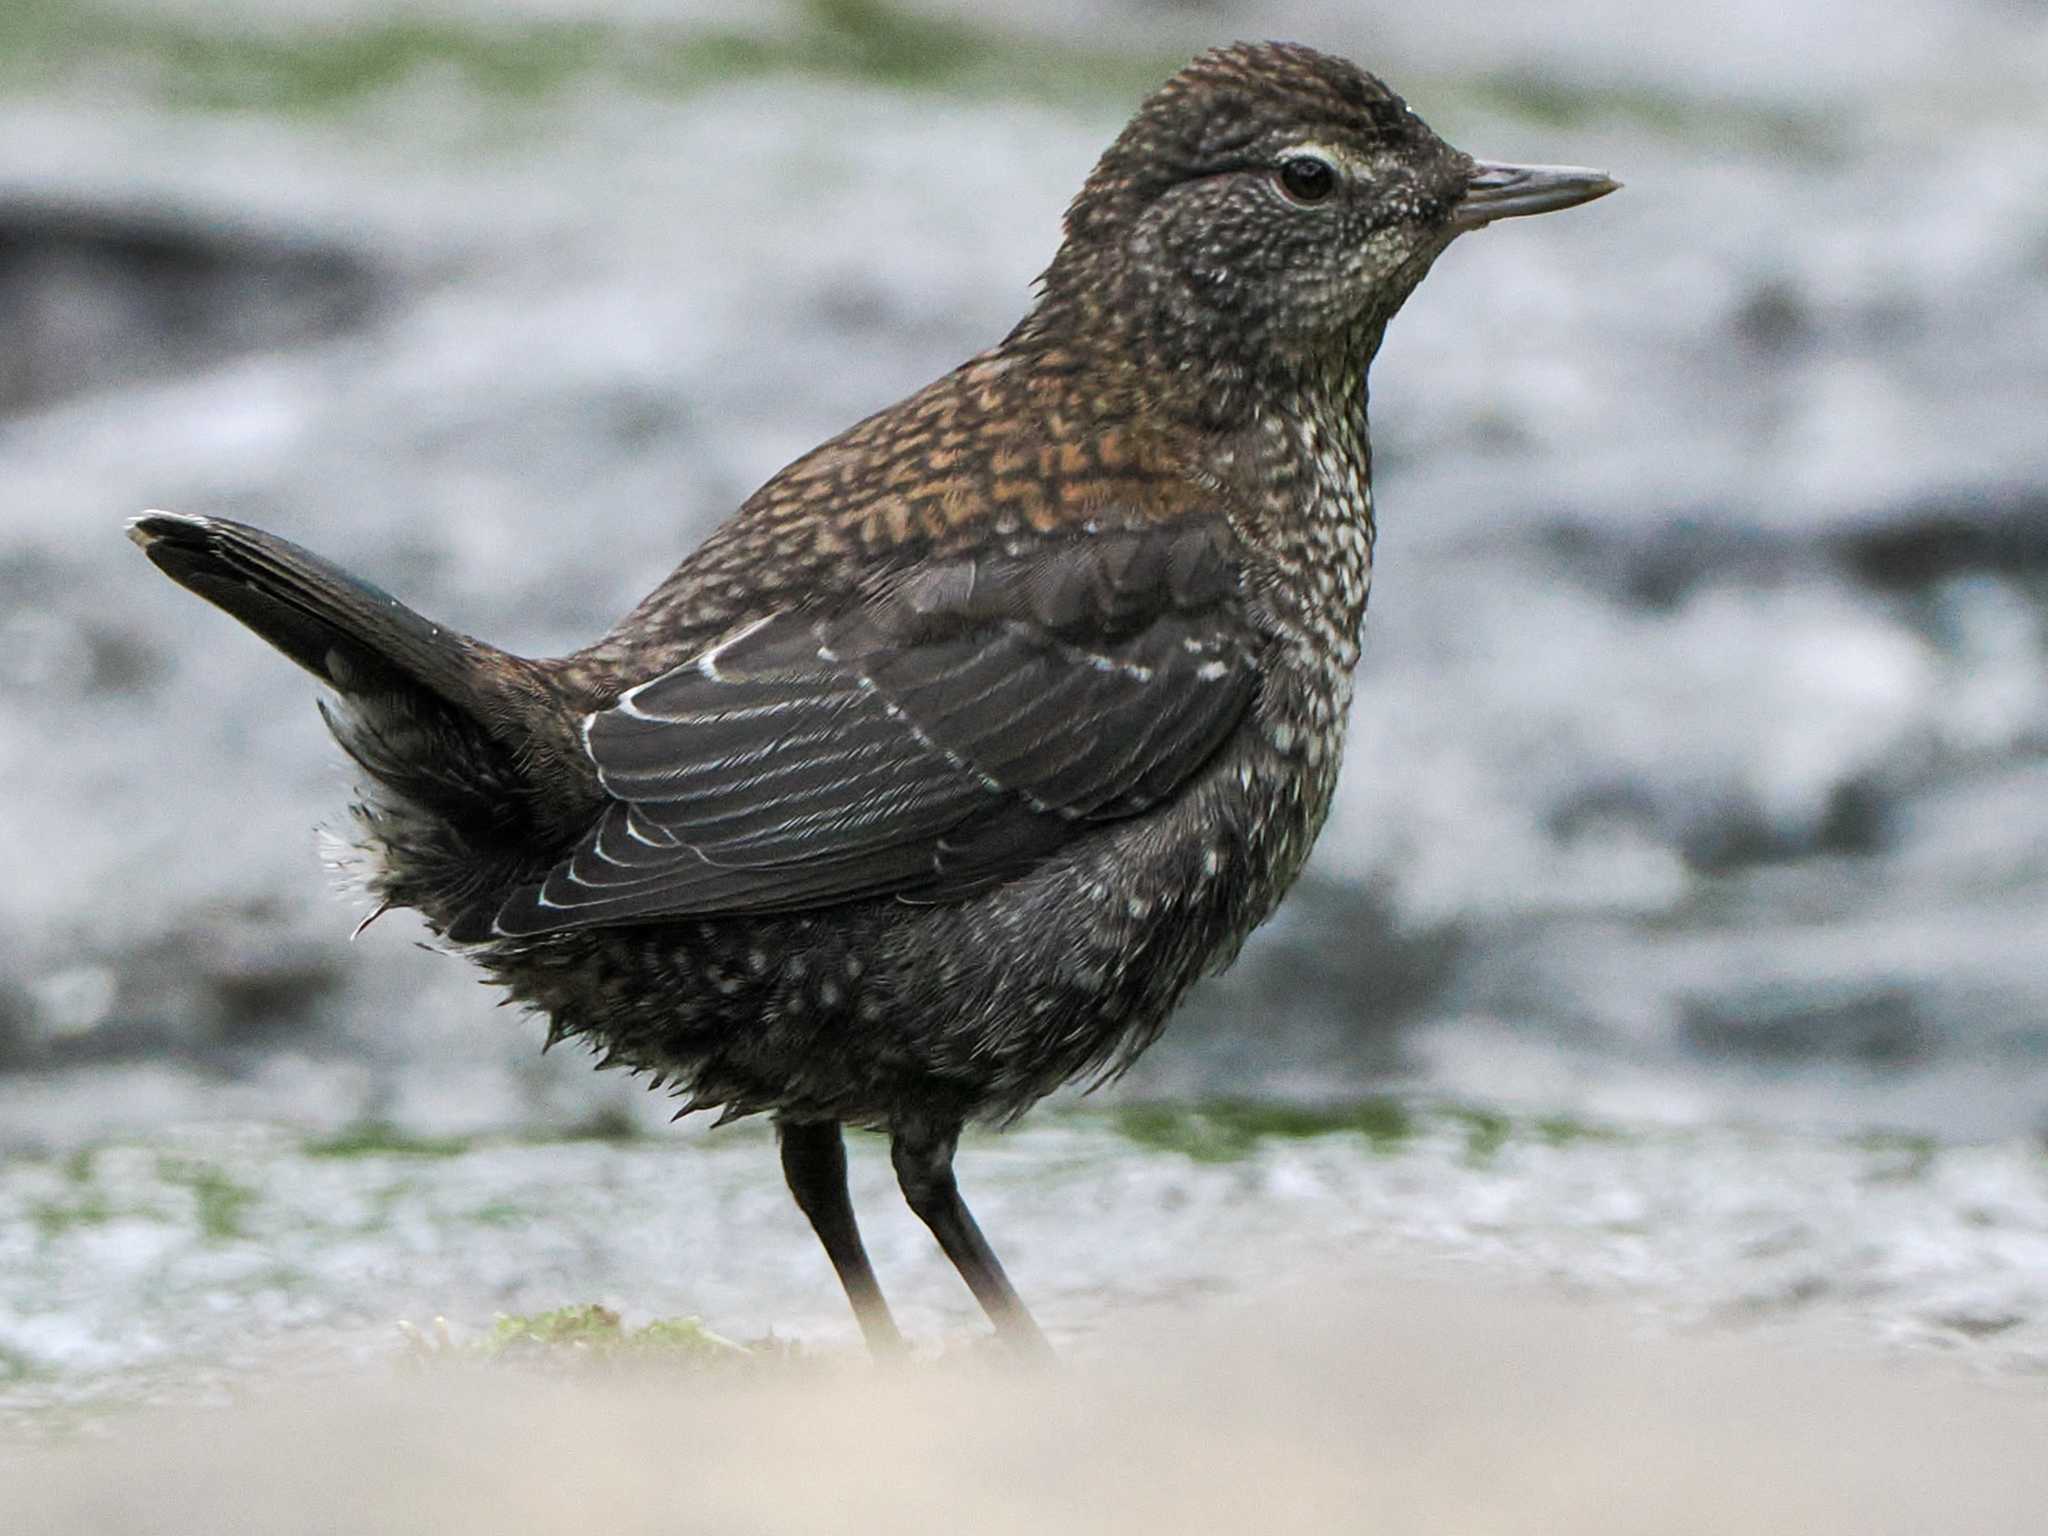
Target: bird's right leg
<point>814,1162</point>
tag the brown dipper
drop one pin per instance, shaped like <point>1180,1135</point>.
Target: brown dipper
<point>939,773</point>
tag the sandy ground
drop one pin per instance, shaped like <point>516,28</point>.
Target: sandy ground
<point>1302,1411</point>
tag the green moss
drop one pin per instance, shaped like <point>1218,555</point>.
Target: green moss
<point>222,68</point>
<point>596,1334</point>
<point>585,1325</point>
<point>608,1123</point>
<point>1898,1157</point>
<point>1896,1141</point>
<point>53,1218</point>
<point>1229,1129</point>
<point>1226,1130</point>
<point>218,1201</point>
<point>15,1367</point>
<point>226,67</point>
<point>383,1200</point>
<point>378,1138</point>
<point>1565,1130</point>
<point>1486,1130</point>
<point>879,42</point>
<point>1166,1128</point>
<point>285,1279</point>
<point>679,1335</point>
<point>1543,101</point>
<point>501,1213</point>
<point>1385,1122</point>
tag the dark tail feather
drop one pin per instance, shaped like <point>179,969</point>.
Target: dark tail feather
<point>347,633</point>
<point>454,735</point>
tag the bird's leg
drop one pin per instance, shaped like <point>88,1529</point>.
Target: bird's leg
<point>814,1162</point>
<point>923,1154</point>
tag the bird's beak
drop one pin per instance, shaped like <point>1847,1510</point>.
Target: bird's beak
<point>1499,191</point>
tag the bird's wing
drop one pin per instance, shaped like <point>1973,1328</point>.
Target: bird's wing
<point>954,725</point>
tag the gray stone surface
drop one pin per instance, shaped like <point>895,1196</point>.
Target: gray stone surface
<point>176,1264</point>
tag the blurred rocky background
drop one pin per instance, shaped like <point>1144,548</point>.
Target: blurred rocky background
<point>1700,760</point>
<point>1682,929</point>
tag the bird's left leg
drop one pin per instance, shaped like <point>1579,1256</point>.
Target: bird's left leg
<point>923,1155</point>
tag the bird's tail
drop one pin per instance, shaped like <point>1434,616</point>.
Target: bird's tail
<point>456,738</point>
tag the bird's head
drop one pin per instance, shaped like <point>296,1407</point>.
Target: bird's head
<point>1272,206</point>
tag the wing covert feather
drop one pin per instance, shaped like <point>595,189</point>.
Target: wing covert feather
<point>958,723</point>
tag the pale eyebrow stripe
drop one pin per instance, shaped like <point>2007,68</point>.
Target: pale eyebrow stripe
<point>1343,159</point>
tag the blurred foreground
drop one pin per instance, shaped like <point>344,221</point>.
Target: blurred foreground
<point>1316,1410</point>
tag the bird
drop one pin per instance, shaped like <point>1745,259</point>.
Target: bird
<point>937,774</point>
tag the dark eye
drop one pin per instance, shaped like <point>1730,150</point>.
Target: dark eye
<point>1307,179</point>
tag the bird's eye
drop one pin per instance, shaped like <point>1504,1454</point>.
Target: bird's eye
<point>1307,178</point>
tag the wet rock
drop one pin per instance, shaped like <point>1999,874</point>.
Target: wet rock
<point>1875,1026</point>
<point>17,1024</point>
<point>210,992</point>
<point>70,654</point>
<point>1660,563</point>
<point>189,1249</point>
<point>1773,319</point>
<point>1352,976</point>
<point>93,295</point>
<point>2003,533</point>
<point>1852,817</point>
